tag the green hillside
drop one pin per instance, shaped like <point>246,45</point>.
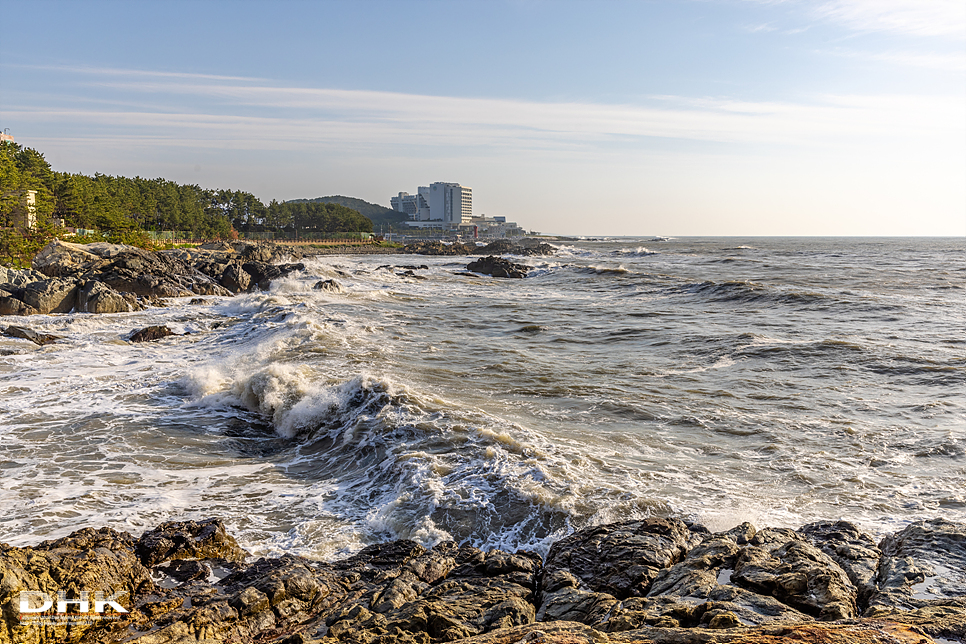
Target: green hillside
<point>379,215</point>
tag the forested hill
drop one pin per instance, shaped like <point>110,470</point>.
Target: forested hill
<point>112,203</point>
<point>379,215</point>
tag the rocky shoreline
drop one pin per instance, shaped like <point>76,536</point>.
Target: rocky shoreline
<point>657,580</point>
<point>113,278</point>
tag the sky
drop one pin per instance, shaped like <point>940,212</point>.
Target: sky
<point>691,117</point>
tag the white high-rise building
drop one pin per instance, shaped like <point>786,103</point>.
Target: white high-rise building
<point>439,205</point>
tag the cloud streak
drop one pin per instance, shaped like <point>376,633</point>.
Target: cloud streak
<point>255,115</point>
<point>911,17</point>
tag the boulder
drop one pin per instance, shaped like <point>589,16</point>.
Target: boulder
<point>52,295</point>
<point>439,248</point>
<point>542,249</point>
<point>29,334</point>
<point>854,551</point>
<point>263,274</point>
<point>622,559</point>
<point>797,574</point>
<point>498,267</point>
<point>97,297</point>
<point>189,581</point>
<point>205,539</point>
<point>13,306</point>
<point>19,278</point>
<point>150,333</point>
<point>235,279</point>
<point>126,269</point>
<point>498,247</point>
<point>59,258</point>
<point>328,285</point>
<point>90,561</point>
<point>923,565</point>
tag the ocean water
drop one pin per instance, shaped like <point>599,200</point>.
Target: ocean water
<point>777,381</point>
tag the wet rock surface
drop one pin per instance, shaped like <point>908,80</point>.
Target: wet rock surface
<point>524,247</point>
<point>114,278</point>
<point>498,267</point>
<point>656,580</point>
<point>29,334</point>
<point>150,334</point>
<point>330,285</point>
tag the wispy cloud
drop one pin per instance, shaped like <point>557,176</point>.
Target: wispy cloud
<point>140,73</point>
<point>223,113</point>
<point>910,17</point>
<point>914,17</point>
<point>921,59</point>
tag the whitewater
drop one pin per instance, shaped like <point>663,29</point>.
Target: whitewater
<point>771,380</point>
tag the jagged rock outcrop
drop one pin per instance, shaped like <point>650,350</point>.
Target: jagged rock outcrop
<point>29,334</point>
<point>11,305</point>
<point>15,278</point>
<point>88,561</point>
<point>498,267</point>
<point>114,278</point>
<point>438,248</point>
<point>262,274</point>
<point>498,247</point>
<point>921,578</point>
<point>98,297</point>
<point>150,333</point>
<point>189,540</point>
<point>653,581</point>
<point>508,247</point>
<point>51,296</point>
<point>126,269</point>
<point>330,285</point>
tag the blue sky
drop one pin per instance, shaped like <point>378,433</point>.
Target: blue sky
<point>704,117</point>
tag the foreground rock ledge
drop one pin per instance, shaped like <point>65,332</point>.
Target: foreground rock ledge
<point>656,580</point>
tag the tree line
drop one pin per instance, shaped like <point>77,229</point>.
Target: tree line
<point>118,204</point>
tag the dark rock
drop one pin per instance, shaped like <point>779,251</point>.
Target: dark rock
<point>853,550</point>
<point>19,278</point>
<point>402,592</point>
<point>439,248</point>
<point>263,274</point>
<point>14,306</point>
<point>88,560</point>
<point>126,269</point>
<point>236,279</point>
<point>197,300</point>
<point>205,539</point>
<point>328,285</point>
<point>622,559</point>
<point>798,574</point>
<point>184,570</point>
<point>97,297</point>
<point>51,296</point>
<point>498,247</point>
<point>508,247</point>
<point>498,267</point>
<point>150,333</point>
<point>923,565</point>
<point>542,249</point>
<point>29,334</point>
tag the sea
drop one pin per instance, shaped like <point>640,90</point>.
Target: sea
<point>778,381</point>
